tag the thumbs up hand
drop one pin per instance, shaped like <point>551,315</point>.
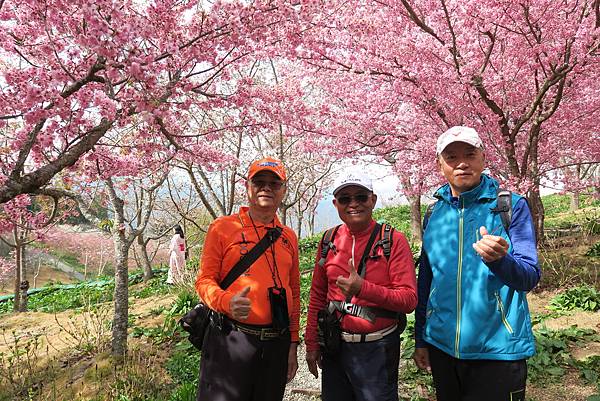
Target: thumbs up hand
<point>490,247</point>
<point>240,305</point>
<point>352,284</point>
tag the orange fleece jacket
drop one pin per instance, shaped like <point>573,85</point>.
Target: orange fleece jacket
<point>228,238</point>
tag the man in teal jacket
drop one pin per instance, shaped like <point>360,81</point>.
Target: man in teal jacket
<point>472,325</point>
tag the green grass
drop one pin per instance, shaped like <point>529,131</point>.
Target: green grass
<point>557,204</point>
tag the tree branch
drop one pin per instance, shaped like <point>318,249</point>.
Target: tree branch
<point>420,23</point>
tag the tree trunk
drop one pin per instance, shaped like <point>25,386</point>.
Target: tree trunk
<point>299,225</point>
<point>311,223</point>
<point>146,265</point>
<point>24,287</point>
<point>575,201</point>
<point>121,294</point>
<point>283,211</point>
<point>415,218</point>
<point>17,299</point>
<point>414,201</point>
<point>537,213</point>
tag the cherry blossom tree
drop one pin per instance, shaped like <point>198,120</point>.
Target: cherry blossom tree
<point>78,71</point>
<point>25,225</point>
<point>520,72</point>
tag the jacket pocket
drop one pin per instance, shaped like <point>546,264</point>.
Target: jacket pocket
<point>503,314</point>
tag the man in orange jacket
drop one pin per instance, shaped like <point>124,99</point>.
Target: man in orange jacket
<point>251,358</point>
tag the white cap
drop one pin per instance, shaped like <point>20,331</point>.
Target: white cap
<point>348,179</point>
<point>458,134</point>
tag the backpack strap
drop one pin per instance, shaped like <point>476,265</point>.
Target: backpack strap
<point>327,244</point>
<point>385,241</point>
<point>504,207</point>
<point>427,215</point>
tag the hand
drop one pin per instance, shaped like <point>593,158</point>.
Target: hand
<point>240,305</point>
<point>313,359</point>
<point>421,357</point>
<point>351,285</point>
<point>292,361</point>
<point>490,247</point>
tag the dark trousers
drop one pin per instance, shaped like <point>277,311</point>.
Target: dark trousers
<point>239,367</point>
<point>363,371</point>
<point>477,379</point>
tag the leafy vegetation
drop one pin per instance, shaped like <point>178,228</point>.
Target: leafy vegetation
<point>58,298</point>
<point>584,297</point>
<point>594,250</point>
<point>553,356</point>
<point>307,250</point>
<point>397,216</point>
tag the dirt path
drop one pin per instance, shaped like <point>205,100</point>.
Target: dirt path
<point>61,333</point>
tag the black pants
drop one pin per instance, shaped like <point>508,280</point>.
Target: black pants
<point>477,379</point>
<point>363,371</point>
<point>239,367</point>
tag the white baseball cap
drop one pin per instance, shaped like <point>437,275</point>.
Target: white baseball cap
<point>347,179</point>
<point>458,134</point>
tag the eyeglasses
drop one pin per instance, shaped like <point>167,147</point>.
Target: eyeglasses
<point>274,185</point>
<point>346,200</point>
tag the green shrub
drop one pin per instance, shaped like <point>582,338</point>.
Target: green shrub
<point>396,216</point>
<point>183,364</point>
<point>584,297</point>
<point>594,250</point>
<point>307,250</point>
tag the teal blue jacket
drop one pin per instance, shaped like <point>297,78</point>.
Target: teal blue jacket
<point>468,308</point>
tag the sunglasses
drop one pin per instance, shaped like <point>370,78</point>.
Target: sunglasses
<point>274,185</point>
<point>360,198</point>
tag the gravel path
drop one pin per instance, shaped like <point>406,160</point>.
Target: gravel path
<point>304,381</point>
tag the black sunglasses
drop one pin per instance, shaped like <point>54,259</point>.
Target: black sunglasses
<point>346,199</point>
<point>274,185</point>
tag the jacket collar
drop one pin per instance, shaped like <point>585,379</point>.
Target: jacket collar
<point>366,231</point>
<point>486,189</point>
<point>247,221</point>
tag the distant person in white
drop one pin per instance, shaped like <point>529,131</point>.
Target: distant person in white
<point>176,256</point>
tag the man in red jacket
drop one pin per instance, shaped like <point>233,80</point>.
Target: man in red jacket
<point>366,365</point>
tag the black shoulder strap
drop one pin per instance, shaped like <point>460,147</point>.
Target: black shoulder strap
<point>363,260</point>
<point>387,239</point>
<point>361,270</point>
<point>246,261</point>
<point>327,243</point>
<point>427,215</point>
<point>504,207</point>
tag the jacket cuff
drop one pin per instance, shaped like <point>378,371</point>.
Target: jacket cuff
<point>420,343</point>
<point>226,303</point>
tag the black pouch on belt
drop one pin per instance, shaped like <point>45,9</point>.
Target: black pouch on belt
<point>279,308</point>
<point>329,331</point>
